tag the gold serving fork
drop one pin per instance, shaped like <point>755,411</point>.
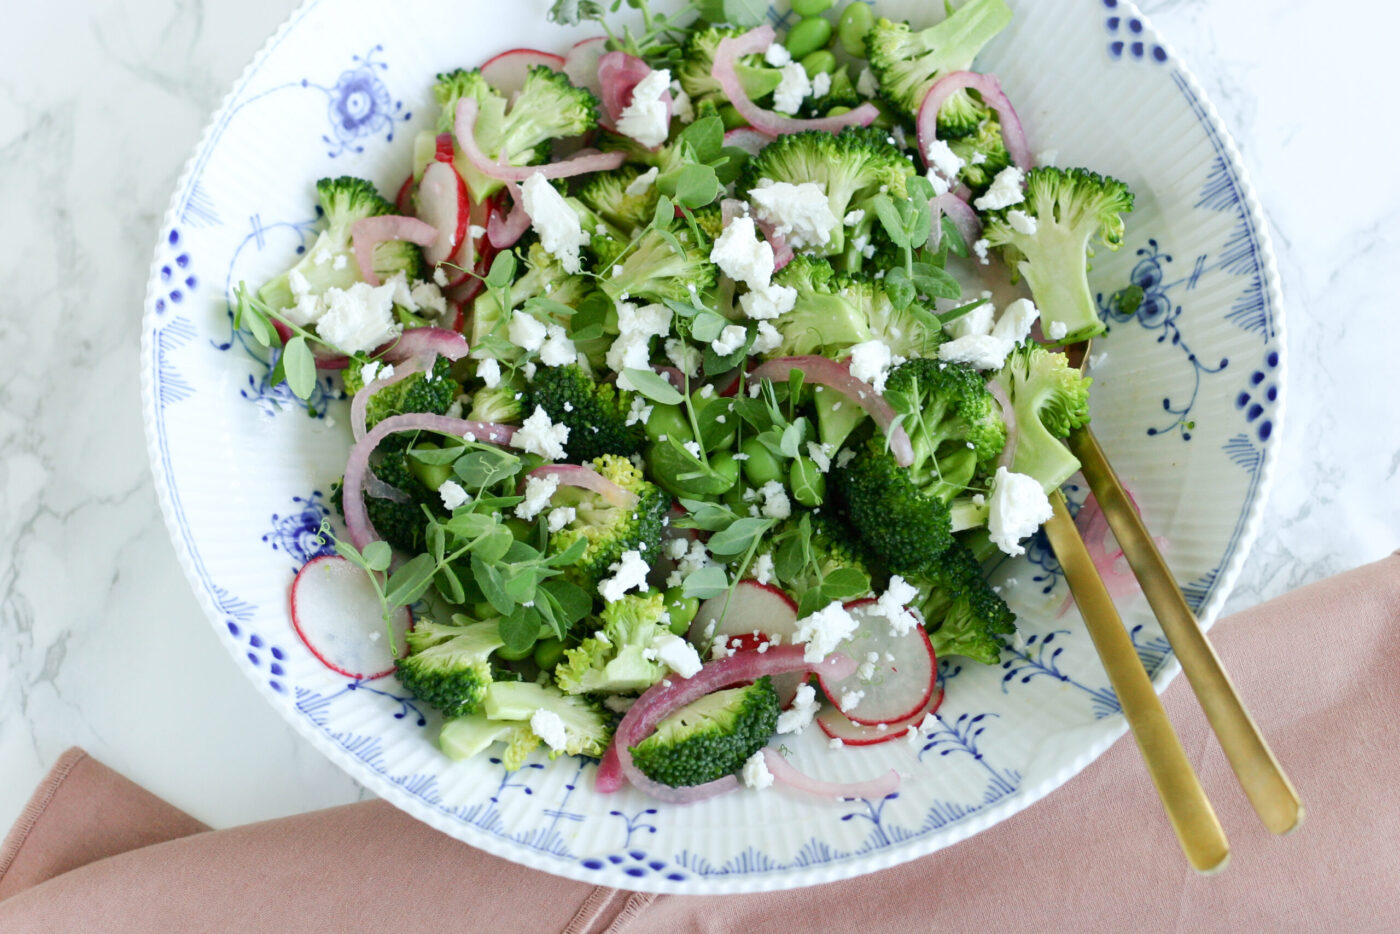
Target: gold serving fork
<point>1191,815</point>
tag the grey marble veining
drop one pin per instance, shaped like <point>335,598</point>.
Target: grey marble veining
<point>103,645</point>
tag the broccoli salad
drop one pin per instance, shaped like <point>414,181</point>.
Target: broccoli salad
<point>683,417</point>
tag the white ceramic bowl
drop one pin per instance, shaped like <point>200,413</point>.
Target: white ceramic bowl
<point>1187,403</point>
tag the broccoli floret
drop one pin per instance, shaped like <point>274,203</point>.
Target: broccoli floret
<point>711,737</point>
<point>501,405</point>
<point>710,220</point>
<point>963,614</point>
<point>655,271</point>
<point>520,742</point>
<point>609,529</point>
<point>1050,399</point>
<point>544,277</point>
<point>449,666</point>
<point>330,262</point>
<point>587,728</point>
<point>757,78</point>
<point>605,194</point>
<point>907,516</point>
<point>432,393</point>
<point>908,63</point>
<point>832,546</point>
<point>983,153</point>
<point>851,166</point>
<point>598,414</point>
<point>400,524</point>
<point>1071,207</point>
<point>840,93</point>
<point>907,334</point>
<point>614,660</point>
<point>547,108</point>
<point>465,736</point>
<point>821,321</point>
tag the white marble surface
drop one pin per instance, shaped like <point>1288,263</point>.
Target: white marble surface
<point>103,645</point>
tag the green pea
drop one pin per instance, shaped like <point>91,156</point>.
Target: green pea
<point>855,23</point>
<point>512,655</point>
<point>431,476</point>
<point>548,652</point>
<point>761,465</point>
<point>808,484</point>
<point>819,62</point>
<point>681,608</point>
<point>810,7</point>
<point>807,36</point>
<point>838,110</point>
<point>668,421</point>
<point>731,117</point>
<point>726,468</point>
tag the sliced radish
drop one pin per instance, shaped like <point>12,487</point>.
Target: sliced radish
<point>837,725</point>
<point>474,255</point>
<point>443,203</point>
<point>444,150</point>
<point>507,71</point>
<point>403,201</point>
<point>757,615</point>
<point>897,674</point>
<point>581,64</point>
<point>336,613</point>
<point>748,139</point>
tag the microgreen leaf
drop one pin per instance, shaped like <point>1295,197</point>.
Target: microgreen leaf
<point>653,385</point>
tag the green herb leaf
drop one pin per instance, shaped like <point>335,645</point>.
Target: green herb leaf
<point>738,536</point>
<point>697,186</point>
<point>410,581</point>
<point>900,288</point>
<point>377,556</point>
<point>746,13</point>
<point>707,326</point>
<point>845,584</point>
<point>488,578</point>
<point>890,220</point>
<point>449,585</point>
<point>653,385</point>
<point>519,629</point>
<point>705,583</point>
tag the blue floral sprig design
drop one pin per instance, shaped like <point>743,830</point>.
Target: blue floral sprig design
<point>359,105</point>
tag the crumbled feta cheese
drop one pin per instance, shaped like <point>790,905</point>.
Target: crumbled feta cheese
<point>453,495</point>
<point>978,158</point>
<point>639,412</point>
<point>1057,330</point>
<point>561,516</point>
<point>729,340</point>
<point>854,217</point>
<point>870,361</point>
<point>866,83</point>
<point>683,356</point>
<point>696,558</point>
<point>844,458</point>
<point>538,435</point>
<point>824,630</point>
<point>941,186</point>
<point>940,157</point>
<point>804,707</point>
<point>557,224</point>
<point>834,743</point>
<point>628,574</point>
<point>693,447</point>
<point>440,274</point>
<point>677,654</point>
<point>1016,320</point>
<point>1005,190</point>
<point>403,296</point>
<point>820,455</point>
<point>549,727</point>
<point>776,504</point>
<point>741,255</point>
<point>558,350</point>
<point>766,340</point>
<point>1021,222</point>
<point>770,301</point>
<point>893,605</point>
<point>641,183</point>
<point>850,700</point>
<point>981,351</point>
<point>340,262</point>
<point>490,372</point>
<point>800,213</point>
<point>636,328</point>
<point>526,331</point>
<point>644,119</point>
<point>821,84</point>
<point>777,55</point>
<point>756,774</point>
<point>976,321</point>
<point>681,106</point>
<point>359,318</point>
<point>1018,507</point>
<point>538,491</point>
<point>763,568</point>
<point>370,372</point>
<point>980,248</point>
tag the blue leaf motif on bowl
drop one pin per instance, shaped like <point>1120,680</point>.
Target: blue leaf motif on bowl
<point>359,105</point>
<point>298,533</point>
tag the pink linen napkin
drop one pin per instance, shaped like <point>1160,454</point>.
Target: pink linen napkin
<point>93,852</point>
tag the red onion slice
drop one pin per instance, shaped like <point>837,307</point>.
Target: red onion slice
<point>786,773</point>
<point>360,402</point>
<point>1008,415</point>
<point>464,127</point>
<point>618,76</point>
<point>962,215</point>
<point>586,478</point>
<point>767,122</point>
<point>1012,133</point>
<point>782,253</point>
<point>378,489</point>
<point>419,343</point>
<point>503,230</point>
<point>824,372</point>
<point>666,697</point>
<point>367,232</point>
<point>357,465</point>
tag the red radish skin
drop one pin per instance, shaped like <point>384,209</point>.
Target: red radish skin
<point>837,725</point>
<point>335,613</point>
<point>445,151</point>
<point>899,687</point>
<point>443,204</point>
<point>403,201</point>
<point>753,606</point>
<point>506,72</point>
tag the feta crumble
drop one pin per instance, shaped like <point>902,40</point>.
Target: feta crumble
<point>1016,320</point>
<point>677,654</point>
<point>1018,507</point>
<point>940,157</point>
<point>980,351</point>
<point>824,630</point>
<point>870,361</point>
<point>560,517</point>
<point>558,349</point>
<point>850,700</point>
<point>768,301</point>
<point>755,773</point>
<point>854,217</point>
<point>776,504</point>
<point>866,83</point>
<point>683,356</point>
<point>766,340</point>
<point>639,412</point>
<point>526,331</point>
<point>453,495</point>
<point>820,455</point>
<point>980,248</point>
<point>489,370</point>
<point>359,318</point>
<point>644,119</point>
<point>557,224</point>
<point>538,435</point>
<point>762,570</point>
<point>742,256</point>
<point>549,727</point>
<point>777,55</point>
<point>729,340</point>
<point>628,574</point>
<point>893,605</point>
<point>801,213</point>
<point>821,84</point>
<point>1004,191</point>
<point>799,715</point>
<point>1021,222</point>
<point>538,491</point>
<point>1057,330</point>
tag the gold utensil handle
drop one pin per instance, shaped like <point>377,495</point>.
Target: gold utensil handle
<point>1264,782</point>
<point>1197,828</point>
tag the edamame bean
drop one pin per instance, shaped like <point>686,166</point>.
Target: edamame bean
<point>852,28</point>
<point>819,62</point>
<point>807,36</point>
<point>731,118</point>
<point>810,7</point>
<point>432,476</point>
<point>807,482</point>
<point>668,421</point>
<point>761,465</point>
<point>838,110</point>
<point>726,468</point>
<point>681,608</point>
<point>548,652</point>
<point>515,655</point>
